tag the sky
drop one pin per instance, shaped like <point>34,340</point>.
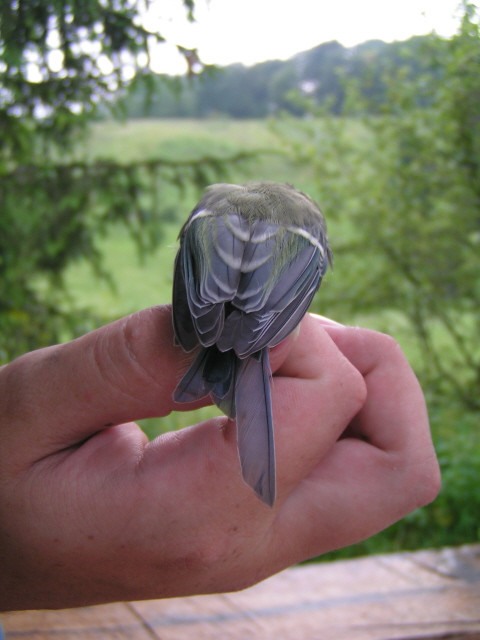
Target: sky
<point>251,31</point>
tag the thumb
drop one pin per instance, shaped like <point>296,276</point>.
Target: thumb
<point>59,396</point>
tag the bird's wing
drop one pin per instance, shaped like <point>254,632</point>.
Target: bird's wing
<point>289,295</point>
<point>207,273</point>
<point>182,318</point>
<point>193,385</point>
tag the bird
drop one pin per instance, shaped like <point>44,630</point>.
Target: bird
<point>250,259</point>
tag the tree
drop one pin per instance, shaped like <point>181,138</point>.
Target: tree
<point>58,62</point>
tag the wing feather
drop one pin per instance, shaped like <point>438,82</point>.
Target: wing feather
<point>184,328</point>
<point>289,299</point>
<point>193,385</point>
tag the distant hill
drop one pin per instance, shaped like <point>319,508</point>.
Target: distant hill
<point>254,92</point>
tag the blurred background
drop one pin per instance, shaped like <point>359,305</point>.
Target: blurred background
<point>115,115</point>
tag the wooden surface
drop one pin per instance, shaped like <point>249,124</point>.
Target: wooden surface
<point>421,595</point>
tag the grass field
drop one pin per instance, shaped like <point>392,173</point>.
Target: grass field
<point>137,139</point>
<point>145,281</point>
<point>142,281</point>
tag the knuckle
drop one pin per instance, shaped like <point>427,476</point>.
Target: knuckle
<point>349,384</point>
<point>18,393</point>
<point>389,347</point>
<point>418,481</point>
<point>428,482</point>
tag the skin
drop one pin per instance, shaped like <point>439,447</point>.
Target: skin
<point>91,512</point>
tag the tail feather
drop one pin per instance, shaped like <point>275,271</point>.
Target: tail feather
<point>255,426</point>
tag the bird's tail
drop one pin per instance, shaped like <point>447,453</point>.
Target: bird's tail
<point>241,389</point>
<point>256,445</point>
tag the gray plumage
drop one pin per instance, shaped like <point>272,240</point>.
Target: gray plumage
<point>250,261</point>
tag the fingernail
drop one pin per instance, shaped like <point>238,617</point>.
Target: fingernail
<point>325,320</point>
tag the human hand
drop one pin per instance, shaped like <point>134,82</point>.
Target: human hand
<point>91,512</point>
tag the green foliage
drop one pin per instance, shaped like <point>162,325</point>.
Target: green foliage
<point>58,61</point>
<point>411,194</point>
<point>55,214</point>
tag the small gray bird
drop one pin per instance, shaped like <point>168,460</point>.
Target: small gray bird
<point>250,260</point>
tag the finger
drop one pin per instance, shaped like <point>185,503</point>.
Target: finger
<point>280,352</point>
<point>302,357</point>
<point>395,413</point>
<point>124,371</point>
<point>316,392</point>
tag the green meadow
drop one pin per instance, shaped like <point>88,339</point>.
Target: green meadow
<point>141,280</point>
